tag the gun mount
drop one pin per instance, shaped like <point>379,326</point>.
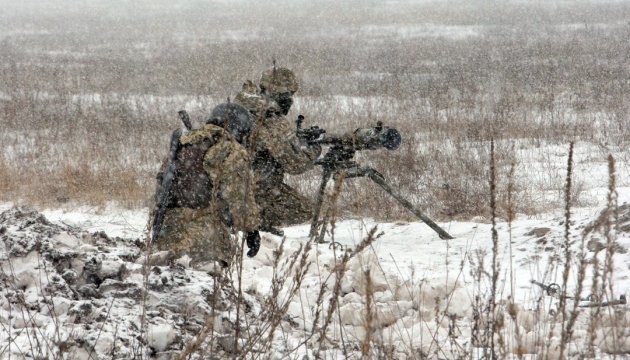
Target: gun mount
<point>338,163</point>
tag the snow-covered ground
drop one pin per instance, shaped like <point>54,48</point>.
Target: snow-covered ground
<point>72,287</point>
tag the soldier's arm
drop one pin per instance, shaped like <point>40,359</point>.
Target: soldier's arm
<point>294,156</point>
<point>234,180</point>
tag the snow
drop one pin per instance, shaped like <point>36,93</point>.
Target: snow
<point>75,279</point>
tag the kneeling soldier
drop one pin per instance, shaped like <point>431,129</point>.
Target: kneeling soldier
<point>211,194</point>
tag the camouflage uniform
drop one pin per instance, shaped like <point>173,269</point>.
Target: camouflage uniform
<point>253,101</point>
<point>277,150</point>
<point>214,186</point>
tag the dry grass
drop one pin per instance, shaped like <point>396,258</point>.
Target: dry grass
<point>86,118</point>
<point>499,328</point>
<point>96,120</point>
<point>72,185</point>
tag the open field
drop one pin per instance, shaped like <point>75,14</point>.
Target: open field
<point>516,137</point>
<point>89,91</point>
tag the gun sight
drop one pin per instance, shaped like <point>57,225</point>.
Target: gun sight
<point>376,138</point>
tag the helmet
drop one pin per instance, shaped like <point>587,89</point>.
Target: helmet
<point>248,97</point>
<point>233,118</point>
<point>279,80</point>
<point>249,87</point>
<point>256,103</point>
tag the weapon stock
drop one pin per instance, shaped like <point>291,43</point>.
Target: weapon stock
<point>338,161</point>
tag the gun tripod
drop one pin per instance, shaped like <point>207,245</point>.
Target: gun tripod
<point>336,163</point>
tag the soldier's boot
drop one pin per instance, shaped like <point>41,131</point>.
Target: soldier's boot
<point>273,230</point>
<point>253,243</point>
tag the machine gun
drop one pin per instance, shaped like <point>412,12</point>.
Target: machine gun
<point>338,161</point>
<point>311,135</point>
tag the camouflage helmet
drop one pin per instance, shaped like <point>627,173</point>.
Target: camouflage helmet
<point>249,98</point>
<point>279,80</point>
<point>256,103</point>
<point>249,87</point>
<point>252,102</point>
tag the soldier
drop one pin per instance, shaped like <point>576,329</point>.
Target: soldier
<point>212,192</point>
<point>277,149</point>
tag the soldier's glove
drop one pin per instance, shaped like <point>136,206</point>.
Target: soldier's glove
<point>226,218</point>
<point>253,243</point>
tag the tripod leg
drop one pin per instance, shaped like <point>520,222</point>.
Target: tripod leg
<point>330,211</point>
<point>324,225</point>
<point>318,203</point>
<point>377,178</point>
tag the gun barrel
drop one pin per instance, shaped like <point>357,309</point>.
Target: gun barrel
<point>364,139</point>
<point>333,140</point>
<point>376,138</point>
